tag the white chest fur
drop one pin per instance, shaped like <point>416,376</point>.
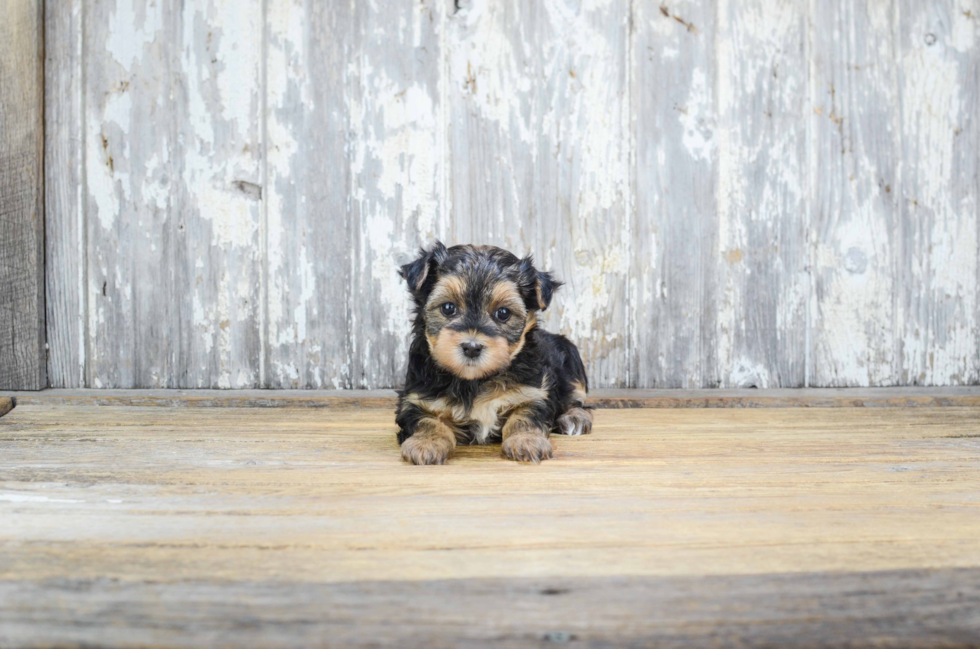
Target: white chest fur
<point>485,417</point>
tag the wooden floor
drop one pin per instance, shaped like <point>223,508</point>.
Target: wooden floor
<point>188,526</point>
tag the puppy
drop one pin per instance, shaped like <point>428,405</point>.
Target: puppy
<point>479,369</point>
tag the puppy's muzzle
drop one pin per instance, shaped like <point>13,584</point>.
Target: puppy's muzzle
<point>471,349</point>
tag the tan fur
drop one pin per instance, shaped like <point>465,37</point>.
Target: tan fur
<point>494,400</point>
<point>516,348</point>
<point>497,400</point>
<point>446,351</point>
<point>524,440</point>
<point>537,290</point>
<point>507,294</point>
<point>433,443</point>
<point>448,289</point>
<point>578,393</point>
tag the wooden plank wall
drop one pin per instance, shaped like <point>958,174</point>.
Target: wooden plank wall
<point>738,193</point>
<point>22,356</point>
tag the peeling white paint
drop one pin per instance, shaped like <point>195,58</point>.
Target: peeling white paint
<point>513,123</point>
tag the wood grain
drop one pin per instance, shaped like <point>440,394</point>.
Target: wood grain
<point>772,194</point>
<point>937,327</point>
<point>131,195</point>
<point>755,276</point>
<point>916,608</point>
<point>64,159</point>
<point>856,194</point>
<point>307,227</point>
<point>216,221</point>
<point>602,398</point>
<point>23,365</point>
<point>674,231</point>
<point>181,523</point>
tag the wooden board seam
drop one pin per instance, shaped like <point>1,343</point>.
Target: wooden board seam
<point>607,399</point>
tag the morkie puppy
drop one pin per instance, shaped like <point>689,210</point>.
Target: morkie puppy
<point>479,369</point>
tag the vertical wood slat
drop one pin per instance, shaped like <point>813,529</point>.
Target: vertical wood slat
<point>938,321</point>
<point>675,125</point>
<point>755,280</point>
<point>307,183</point>
<point>65,250</point>
<point>540,147</point>
<point>23,365</point>
<point>218,143</point>
<point>131,186</point>
<point>857,190</point>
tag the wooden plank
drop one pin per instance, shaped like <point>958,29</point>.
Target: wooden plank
<point>674,117</point>
<point>63,175</point>
<point>856,193</point>
<point>131,181</point>
<point>938,263</point>
<point>308,236</point>
<point>22,354</point>
<point>756,280</point>
<point>181,522</point>
<point>218,148</point>
<point>6,405</point>
<point>888,608</point>
<point>963,396</point>
<point>398,173</point>
<point>541,153</point>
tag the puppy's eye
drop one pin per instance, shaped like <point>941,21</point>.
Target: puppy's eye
<point>502,314</point>
<point>448,309</point>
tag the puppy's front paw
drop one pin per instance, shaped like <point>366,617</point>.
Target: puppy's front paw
<point>527,447</point>
<point>577,421</point>
<point>427,449</point>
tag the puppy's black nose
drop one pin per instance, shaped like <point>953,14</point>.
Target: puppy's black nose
<point>472,349</point>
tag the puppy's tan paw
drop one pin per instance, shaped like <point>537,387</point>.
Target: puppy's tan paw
<point>427,449</point>
<point>527,447</point>
<point>576,421</point>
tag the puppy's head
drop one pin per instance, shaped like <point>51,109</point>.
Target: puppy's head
<point>476,305</point>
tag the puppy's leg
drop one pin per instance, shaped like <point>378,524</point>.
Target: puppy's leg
<point>526,437</point>
<point>433,442</point>
<point>575,421</point>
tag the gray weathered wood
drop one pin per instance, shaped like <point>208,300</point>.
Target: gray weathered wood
<point>307,229</point>
<point>915,397</point>
<point>22,355</point>
<point>132,190</point>
<point>398,172</point>
<point>736,193</point>
<point>755,281</point>
<point>675,124</point>
<point>216,221</point>
<point>855,193</point>
<point>937,328</point>
<point>64,161</point>
<point>903,608</point>
<point>540,155</point>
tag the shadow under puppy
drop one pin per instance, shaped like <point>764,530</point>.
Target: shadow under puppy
<point>479,369</point>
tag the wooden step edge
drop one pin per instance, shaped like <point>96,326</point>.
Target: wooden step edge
<point>967,396</point>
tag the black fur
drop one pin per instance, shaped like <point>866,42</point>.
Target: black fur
<point>545,359</point>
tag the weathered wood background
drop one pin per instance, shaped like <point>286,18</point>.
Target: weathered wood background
<point>738,193</point>
<point>22,358</point>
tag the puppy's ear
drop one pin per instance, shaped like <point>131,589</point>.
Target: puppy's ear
<point>419,271</point>
<point>537,286</point>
